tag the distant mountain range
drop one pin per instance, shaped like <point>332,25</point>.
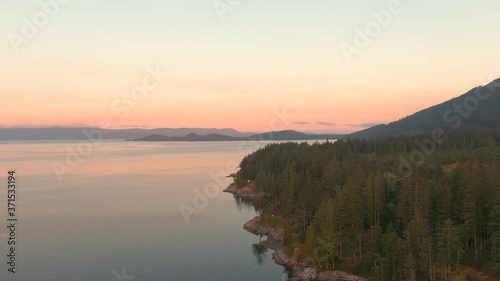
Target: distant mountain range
<point>165,134</point>
<point>478,109</point>
<point>277,136</point>
<point>78,133</point>
<point>189,137</point>
<point>294,135</point>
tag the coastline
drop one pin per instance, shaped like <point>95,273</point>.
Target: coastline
<point>246,192</point>
<point>275,241</point>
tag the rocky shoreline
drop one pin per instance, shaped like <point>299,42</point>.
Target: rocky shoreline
<point>247,192</point>
<point>301,270</point>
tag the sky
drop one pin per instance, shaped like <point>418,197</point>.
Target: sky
<point>252,65</point>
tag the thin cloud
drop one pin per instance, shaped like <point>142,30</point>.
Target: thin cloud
<point>302,123</point>
<point>322,123</point>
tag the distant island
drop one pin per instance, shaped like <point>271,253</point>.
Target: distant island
<point>161,134</point>
<point>286,135</point>
<point>79,133</point>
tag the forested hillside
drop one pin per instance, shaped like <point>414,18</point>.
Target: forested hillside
<point>349,205</point>
<point>476,109</point>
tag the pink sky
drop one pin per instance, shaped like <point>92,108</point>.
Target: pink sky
<point>236,73</point>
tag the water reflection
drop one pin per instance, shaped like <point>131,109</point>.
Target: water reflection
<point>119,208</point>
<point>249,204</point>
<point>243,204</point>
<point>286,275</point>
<point>260,252</point>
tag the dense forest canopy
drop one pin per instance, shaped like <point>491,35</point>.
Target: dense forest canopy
<point>349,205</point>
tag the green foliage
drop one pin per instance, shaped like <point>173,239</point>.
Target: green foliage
<point>353,210</point>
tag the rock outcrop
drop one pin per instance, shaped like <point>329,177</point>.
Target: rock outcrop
<point>302,272</point>
<point>246,192</point>
<point>274,237</point>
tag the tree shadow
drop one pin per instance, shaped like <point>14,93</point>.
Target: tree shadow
<point>260,252</point>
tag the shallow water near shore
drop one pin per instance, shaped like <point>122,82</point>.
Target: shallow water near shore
<point>116,214</point>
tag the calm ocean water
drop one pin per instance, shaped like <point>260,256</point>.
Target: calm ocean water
<point>115,216</point>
